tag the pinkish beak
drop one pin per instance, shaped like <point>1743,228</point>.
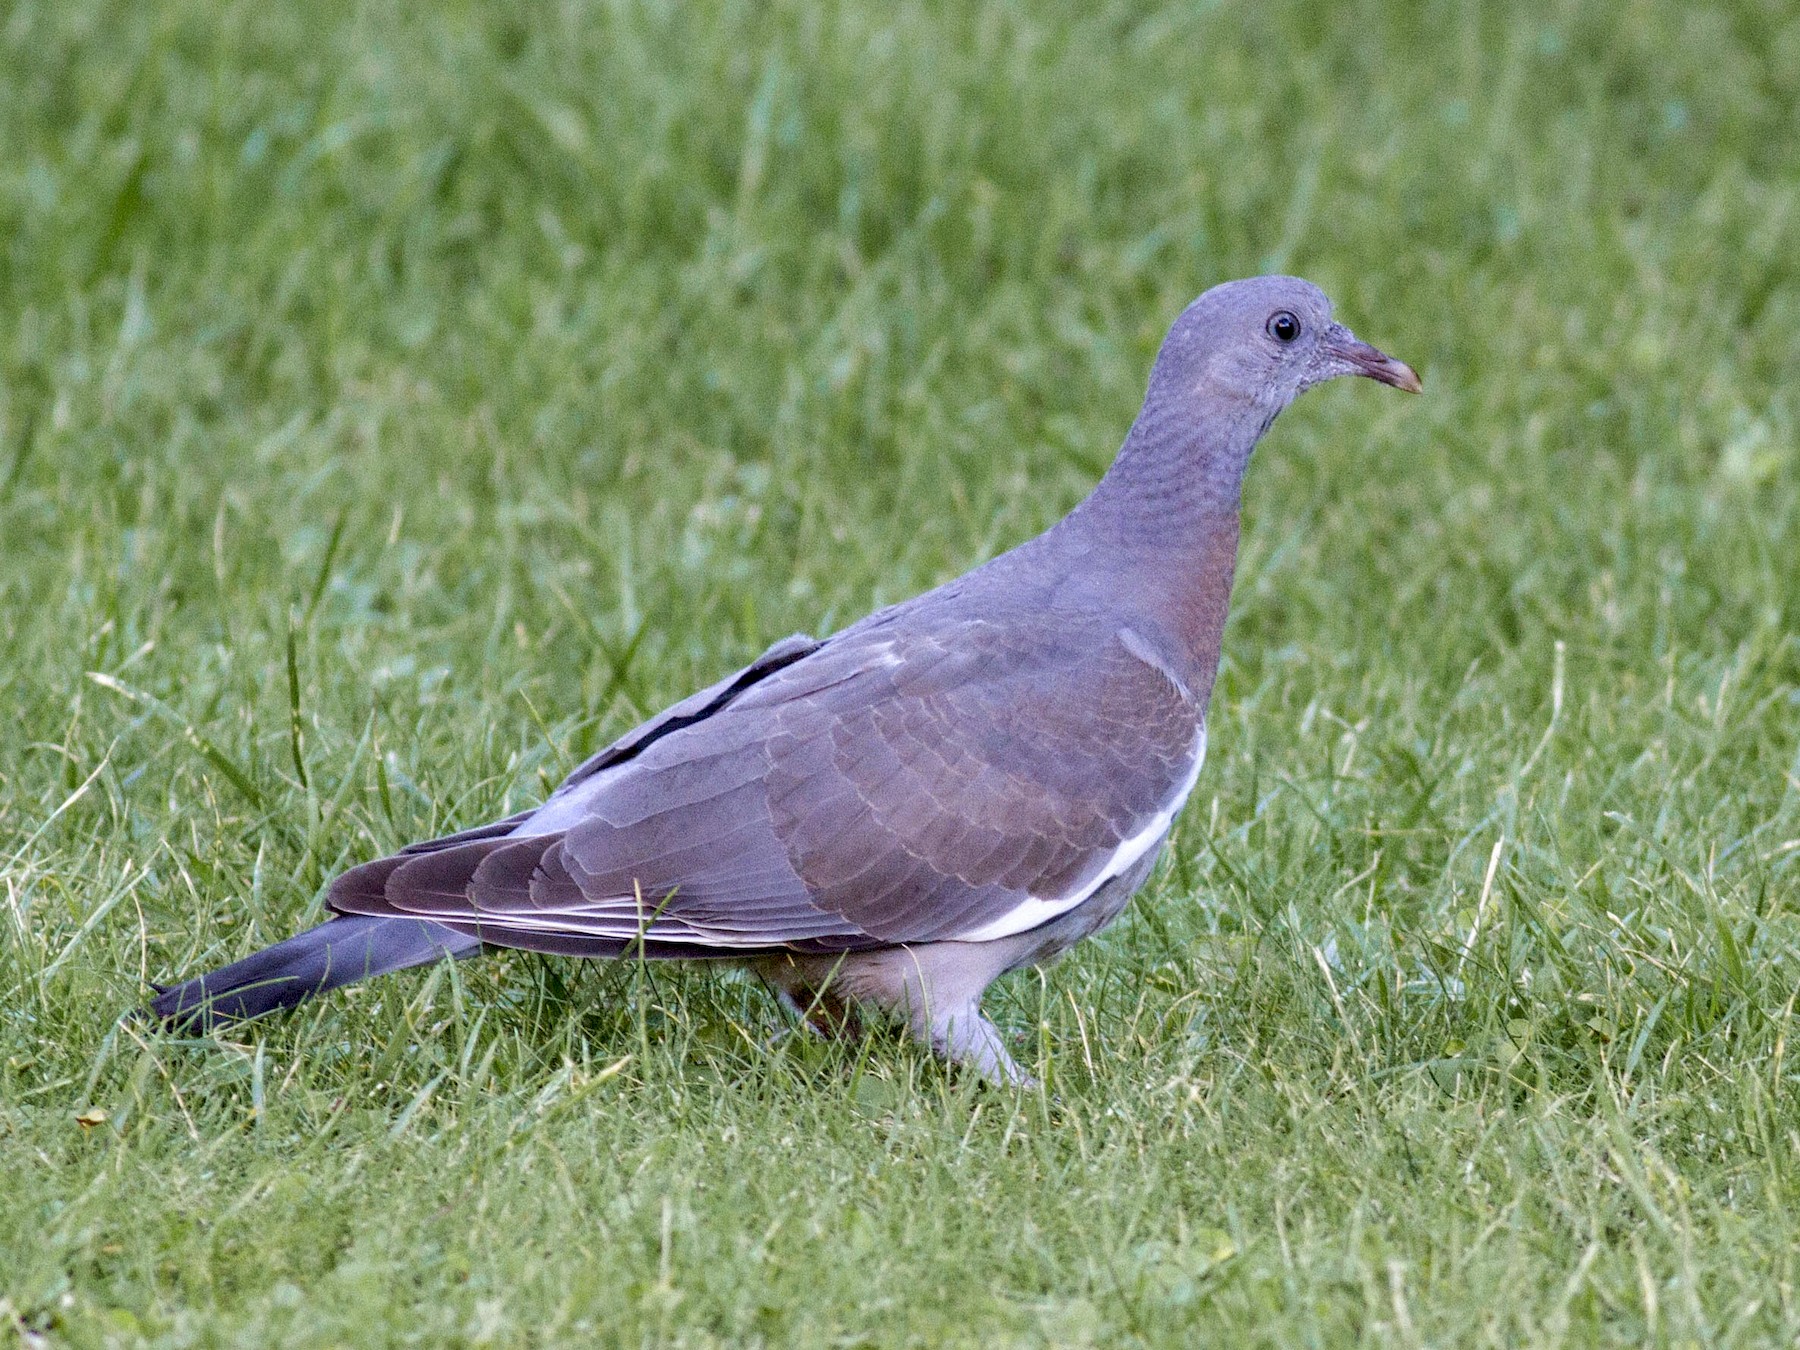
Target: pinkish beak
<point>1352,356</point>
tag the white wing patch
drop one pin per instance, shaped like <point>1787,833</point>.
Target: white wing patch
<point>1034,910</point>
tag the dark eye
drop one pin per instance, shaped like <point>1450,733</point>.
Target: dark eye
<point>1284,327</point>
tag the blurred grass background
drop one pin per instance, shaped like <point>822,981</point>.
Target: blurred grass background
<point>397,400</point>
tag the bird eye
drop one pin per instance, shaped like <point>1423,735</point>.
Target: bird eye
<point>1284,327</point>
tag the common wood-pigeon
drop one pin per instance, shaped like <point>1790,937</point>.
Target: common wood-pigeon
<point>891,817</point>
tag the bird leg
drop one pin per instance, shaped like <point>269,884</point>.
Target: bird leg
<point>823,1013</point>
<point>966,1037</point>
<point>935,988</point>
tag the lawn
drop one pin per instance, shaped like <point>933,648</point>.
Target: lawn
<point>397,400</point>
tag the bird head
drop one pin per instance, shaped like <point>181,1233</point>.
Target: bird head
<point>1257,344</point>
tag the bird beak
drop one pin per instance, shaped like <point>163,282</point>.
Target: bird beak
<point>1343,353</point>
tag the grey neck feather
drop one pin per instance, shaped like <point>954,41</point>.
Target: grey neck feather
<point>1175,472</point>
<point>1160,529</point>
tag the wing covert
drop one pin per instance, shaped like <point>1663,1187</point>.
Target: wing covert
<point>884,787</point>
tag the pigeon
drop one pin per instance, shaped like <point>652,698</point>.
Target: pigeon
<point>886,820</point>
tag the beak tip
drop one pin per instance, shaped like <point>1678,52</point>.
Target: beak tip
<point>1351,356</point>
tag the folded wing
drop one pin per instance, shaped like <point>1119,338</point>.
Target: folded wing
<point>887,786</point>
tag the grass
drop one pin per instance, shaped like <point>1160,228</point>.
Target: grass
<point>396,400</point>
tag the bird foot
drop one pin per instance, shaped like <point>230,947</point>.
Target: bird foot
<point>974,1042</point>
<point>824,1016</point>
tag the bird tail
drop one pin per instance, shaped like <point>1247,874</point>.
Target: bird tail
<point>338,952</point>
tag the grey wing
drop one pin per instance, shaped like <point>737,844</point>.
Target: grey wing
<point>692,709</point>
<point>887,787</point>
<point>522,853</point>
<point>978,780</point>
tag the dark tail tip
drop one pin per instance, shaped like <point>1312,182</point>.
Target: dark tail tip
<point>338,952</point>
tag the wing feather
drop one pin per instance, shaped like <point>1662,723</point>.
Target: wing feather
<point>888,786</point>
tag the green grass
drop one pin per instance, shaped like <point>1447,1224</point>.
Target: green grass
<point>396,400</point>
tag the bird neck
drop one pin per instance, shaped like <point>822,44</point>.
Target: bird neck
<point>1166,517</point>
<point>1171,469</point>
